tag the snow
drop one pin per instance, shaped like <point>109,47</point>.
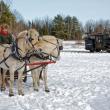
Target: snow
<point>78,81</point>
<point>73,46</point>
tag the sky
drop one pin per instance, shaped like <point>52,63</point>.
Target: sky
<point>84,10</point>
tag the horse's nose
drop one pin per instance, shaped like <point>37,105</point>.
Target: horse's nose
<point>60,47</point>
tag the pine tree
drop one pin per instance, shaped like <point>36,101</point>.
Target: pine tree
<point>59,27</point>
<point>6,15</point>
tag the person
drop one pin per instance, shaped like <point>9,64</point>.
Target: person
<point>5,36</point>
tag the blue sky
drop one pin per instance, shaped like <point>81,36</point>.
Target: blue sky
<point>82,9</point>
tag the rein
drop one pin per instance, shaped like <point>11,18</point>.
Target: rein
<point>5,58</point>
<point>32,52</point>
<point>15,49</point>
<point>42,63</point>
<point>34,68</point>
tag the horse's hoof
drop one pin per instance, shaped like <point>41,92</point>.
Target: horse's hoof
<point>20,93</point>
<point>36,90</point>
<point>11,95</point>
<point>3,89</point>
<point>47,90</point>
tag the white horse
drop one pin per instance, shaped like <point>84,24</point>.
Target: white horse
<point>50,47</point>
<point>26,41</point>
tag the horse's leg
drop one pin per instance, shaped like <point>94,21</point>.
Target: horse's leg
<point>3,76</point>
<point>44,73</point>
<point>35,78</point>
<point>11,83</point>
<point>20,83</point>
<point>39,76</point>
<point>0,77</point>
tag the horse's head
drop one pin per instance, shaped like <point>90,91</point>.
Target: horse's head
<point>27,40</point>
<point>50,45</point>
<point>32,36</point>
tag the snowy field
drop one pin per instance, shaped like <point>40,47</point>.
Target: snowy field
<point>79,81</point>
<point>72,46</point>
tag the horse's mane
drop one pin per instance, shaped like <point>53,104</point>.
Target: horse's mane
<point>33,31</point>
<point>46,40</point>
<point>22,34</point>
<point>30,31</point>
<point>48,37</point>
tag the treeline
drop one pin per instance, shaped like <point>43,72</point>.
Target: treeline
<point>9,17</point>
<point>97,26</point>
<point>65,27</point>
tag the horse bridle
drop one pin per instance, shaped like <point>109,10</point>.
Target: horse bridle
<point>29,40</point>
<point>57,47</point>
<point>34,51</point>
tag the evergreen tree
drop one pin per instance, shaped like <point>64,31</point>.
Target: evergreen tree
<point>59,27</point>
<point>68,27</point>
<point>6,15</point>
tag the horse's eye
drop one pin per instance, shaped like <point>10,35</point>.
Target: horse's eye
<point>30,39</point>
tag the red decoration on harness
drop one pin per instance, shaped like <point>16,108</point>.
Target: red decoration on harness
<point>41,63</point>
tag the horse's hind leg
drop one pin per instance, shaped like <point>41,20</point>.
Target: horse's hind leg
<point>44,73</point>
<point>35,79</point>
<point>11,83</point>
<point>3,76</point>
<point>0,77</point>
<point>20,83</point>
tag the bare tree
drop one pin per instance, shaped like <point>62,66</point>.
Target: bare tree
<point>89,26</point>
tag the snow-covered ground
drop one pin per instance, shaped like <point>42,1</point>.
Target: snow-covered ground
<point>79,81</point>
<point>74,46</point>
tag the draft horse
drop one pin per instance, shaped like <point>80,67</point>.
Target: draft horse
<point>13,59</point>
<point>50,48</point>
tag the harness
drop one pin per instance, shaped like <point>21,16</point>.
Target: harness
<point>15,52</point>
<point>37,53</point>
<point>5,58</point>
<point>43,55</point>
